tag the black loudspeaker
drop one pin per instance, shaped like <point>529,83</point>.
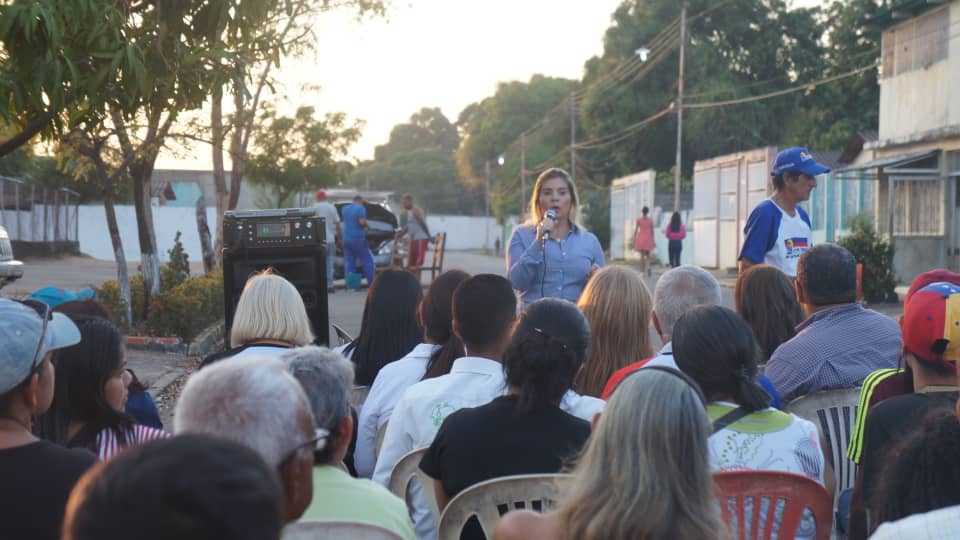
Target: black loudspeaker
<point>304,266</point>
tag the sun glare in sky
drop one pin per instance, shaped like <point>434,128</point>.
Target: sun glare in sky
<point>432,53</point>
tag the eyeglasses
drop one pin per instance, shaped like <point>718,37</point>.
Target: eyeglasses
<point>318,442</point>
<point>45,313</point>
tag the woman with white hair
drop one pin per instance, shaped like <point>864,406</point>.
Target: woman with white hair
<point>326,377</point>
<point>269,320</point>
<point>645,474</point>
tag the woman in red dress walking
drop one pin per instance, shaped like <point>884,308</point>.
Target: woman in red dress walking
<point>643,240</point>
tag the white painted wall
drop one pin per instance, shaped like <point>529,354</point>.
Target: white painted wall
<point>463,232</point>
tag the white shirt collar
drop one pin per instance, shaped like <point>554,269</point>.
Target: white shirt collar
<point>477,364</point>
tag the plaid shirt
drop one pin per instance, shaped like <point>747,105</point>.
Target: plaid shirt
<point>834,348</point>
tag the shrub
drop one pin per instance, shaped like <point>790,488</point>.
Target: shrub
<point>187,309</point>
<point>177,270</point>
<point>109,293</point>
<point>876,255</point>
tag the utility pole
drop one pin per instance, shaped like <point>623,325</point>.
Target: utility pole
<point>683,43</point>
<point>573,139</point>
<point>523,173</point>
<point>486,206</point>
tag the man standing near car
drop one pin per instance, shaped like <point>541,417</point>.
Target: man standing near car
<point>355,247</point>
<point>416,228</point>
<point>332,220</point>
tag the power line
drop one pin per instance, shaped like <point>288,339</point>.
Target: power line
<point>627,131</point>
<point>811,85</point>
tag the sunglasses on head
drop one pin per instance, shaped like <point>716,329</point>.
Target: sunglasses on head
<point>46,314</point>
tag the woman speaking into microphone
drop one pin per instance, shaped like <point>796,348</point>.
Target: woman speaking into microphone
<point>550,255</point>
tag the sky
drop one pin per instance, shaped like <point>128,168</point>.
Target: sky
<point>433,53</point>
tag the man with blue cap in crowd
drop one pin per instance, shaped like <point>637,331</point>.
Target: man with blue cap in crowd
<point>37,475</point>
<point>778,231</point>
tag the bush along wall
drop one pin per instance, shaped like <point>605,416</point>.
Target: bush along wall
<point>876,254</point>
<point>183,311</point>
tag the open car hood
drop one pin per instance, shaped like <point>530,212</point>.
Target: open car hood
<point>381,222</point>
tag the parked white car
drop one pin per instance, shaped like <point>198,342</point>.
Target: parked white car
<point>10,268</point>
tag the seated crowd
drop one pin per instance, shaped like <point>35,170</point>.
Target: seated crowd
<point>267,438</point>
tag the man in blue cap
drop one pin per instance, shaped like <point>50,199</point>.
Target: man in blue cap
<point>778,231</point>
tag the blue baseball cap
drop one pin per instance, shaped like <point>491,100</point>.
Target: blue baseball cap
<point>21,348</point>
<point>799,160</point>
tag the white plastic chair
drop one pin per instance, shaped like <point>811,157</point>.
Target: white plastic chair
<point>406,471</point>
<point>835,411</point>
<point>489,500</point>
<point>337,530</point>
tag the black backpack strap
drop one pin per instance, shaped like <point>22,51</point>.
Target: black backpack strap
<point>729,418</point>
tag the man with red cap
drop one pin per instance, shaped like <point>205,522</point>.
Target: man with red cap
<point>931,348</point>
<point>329,212</point>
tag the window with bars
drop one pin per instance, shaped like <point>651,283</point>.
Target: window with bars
<point>916,44</point>
<point>918,207</point>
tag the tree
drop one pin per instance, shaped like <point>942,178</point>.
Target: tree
<point>419,159</point>
<point>492,127</point>
<point>299,153</point>
<point>256,35</point>
<point>61,63</point>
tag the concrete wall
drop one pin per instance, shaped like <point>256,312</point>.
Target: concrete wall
<point>27,225</point>
<point>902,110</point>
<point>914,255</point>
<point>463,232</point>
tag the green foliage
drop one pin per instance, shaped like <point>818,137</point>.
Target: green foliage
<point>187,309</point>
<point>596,213</point>
<point>109,293</point>
<point>419,159</point>
<point>875,253</point>
<point>177,269</point>
<point>299,153</point>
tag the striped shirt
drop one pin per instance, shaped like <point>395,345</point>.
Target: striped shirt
<point>834,348</point>
<point>855,448</point>
<point>108,444</point>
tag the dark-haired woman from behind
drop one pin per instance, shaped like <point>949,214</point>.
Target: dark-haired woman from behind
<point>675,231</point>
<point>767,301</point>
<point>90,392</point>
<point>715,347</point>
<point>390,327</point>
<point>432,358</point>
<point>525,431</point>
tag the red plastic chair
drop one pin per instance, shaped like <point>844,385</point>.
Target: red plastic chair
<point>797,493</point>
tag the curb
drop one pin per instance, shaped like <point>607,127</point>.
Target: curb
<point>208,340</point>
<point>169,345</point>
<point>168,377</point>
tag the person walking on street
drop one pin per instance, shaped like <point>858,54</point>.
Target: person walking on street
<point>643,241</point>
<point>778,231</point>
<point>355,247</point>
<point>416,228</point>
<point>332,227</point>
<point>675,232</point>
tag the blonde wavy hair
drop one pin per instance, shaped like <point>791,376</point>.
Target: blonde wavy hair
<point>535,213</point>
<point>617,304</point>
<point>645,474</point>
<point>270,308</point>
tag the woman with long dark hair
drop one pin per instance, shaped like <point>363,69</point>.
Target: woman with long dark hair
<point>675,232</point>
<point>716,348</point>
<point>390,327</point>
<point>765,298</point>
<point>429,359</point>
<point>551,255</point>
<point>525,431</point>
<point>90,393</point>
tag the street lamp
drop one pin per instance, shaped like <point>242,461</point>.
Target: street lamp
<point>643,53</point>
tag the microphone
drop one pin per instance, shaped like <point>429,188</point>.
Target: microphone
<point>552,215</point>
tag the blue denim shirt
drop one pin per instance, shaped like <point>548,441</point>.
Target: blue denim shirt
<point>564,272</point>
